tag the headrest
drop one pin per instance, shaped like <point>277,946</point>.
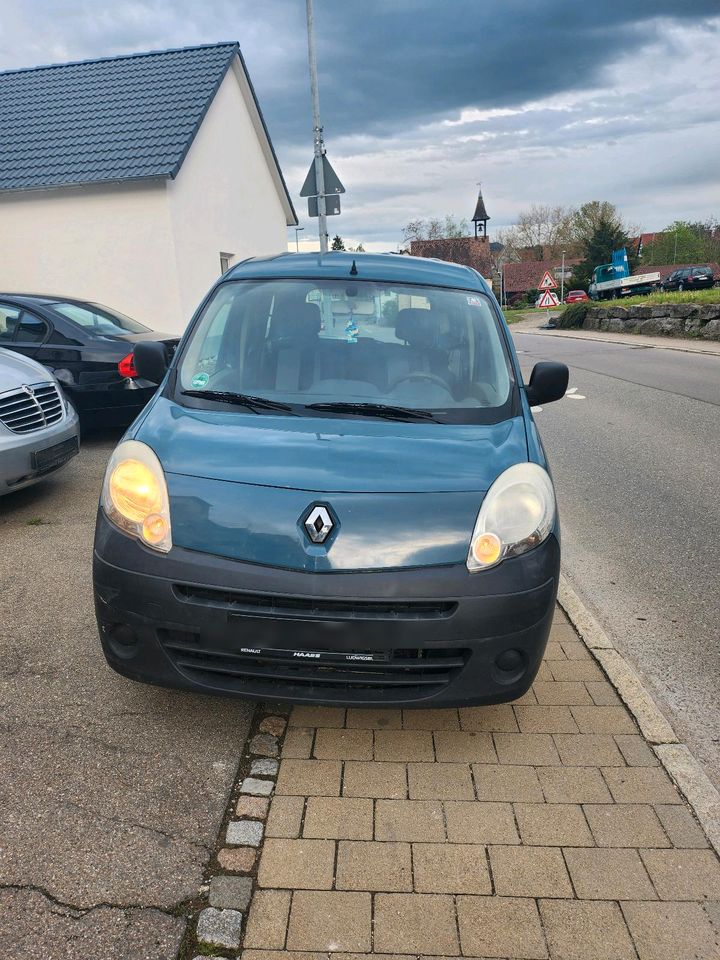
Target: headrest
<point>416,327</point>
<point>295,323</point>
<point>430,329</point>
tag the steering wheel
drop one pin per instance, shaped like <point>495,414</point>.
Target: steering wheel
<point>433,378</point>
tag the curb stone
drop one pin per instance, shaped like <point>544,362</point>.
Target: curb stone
<point>216,931</point>
<point>652,723</point>
<point>681,344</point>
<point>694,783</point>
<point>682,767</point>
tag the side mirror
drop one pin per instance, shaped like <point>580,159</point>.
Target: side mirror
<point>548,382</point>
<point>151,360</point>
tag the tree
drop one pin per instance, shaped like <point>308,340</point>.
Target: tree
<point>435,229</point>
<point>598,229</point>
<point>685,242</point>
<point>337,243</point>
<point>455,228</point>
<point>415,230</point>
<point>358,249</point>
<point>590,217</point>
<point>545,229</point>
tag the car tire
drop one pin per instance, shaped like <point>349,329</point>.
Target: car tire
<point>681,286</point>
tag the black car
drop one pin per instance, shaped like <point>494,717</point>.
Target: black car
<point>689,278</point>
<point>88,347</point>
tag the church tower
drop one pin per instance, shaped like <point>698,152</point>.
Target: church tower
<point>480,217</point>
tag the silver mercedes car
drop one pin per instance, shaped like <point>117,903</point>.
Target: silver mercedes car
<point>39,431</point>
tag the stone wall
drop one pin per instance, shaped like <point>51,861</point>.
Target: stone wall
<point>661,319</point>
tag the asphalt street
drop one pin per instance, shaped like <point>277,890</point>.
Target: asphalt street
<point>636,465</point>
<point>111,792</point>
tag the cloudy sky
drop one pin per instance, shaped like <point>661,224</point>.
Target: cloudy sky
<point>544,101</point>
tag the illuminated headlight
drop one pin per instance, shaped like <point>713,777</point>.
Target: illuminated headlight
<point>134,495</point>
<point>517,514</point>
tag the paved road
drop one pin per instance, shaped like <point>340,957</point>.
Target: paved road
<point>636,466</point>
<point>111,792</point>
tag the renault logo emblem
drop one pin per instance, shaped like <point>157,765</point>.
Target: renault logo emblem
<point>318,524</point>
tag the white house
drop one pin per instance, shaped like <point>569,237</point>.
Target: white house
<point>134,181</point>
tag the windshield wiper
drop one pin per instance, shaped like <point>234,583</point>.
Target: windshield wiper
<point>239,399</point>
<point>384,410</point>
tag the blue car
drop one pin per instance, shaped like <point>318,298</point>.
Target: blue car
<point>337,495</point>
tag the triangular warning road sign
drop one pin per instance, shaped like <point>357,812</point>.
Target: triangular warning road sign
<point>332,181</point>
<point>547,282</point>
<point>548,299</point>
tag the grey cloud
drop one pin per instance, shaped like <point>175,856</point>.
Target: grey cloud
<point>392,71</point>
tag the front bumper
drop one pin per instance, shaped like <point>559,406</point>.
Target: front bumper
<point>19,463</point>
<point>418,637</point>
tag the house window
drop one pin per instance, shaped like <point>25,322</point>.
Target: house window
<point>226,260</point>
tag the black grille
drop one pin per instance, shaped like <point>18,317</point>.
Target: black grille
<point>407,673</point>
<point>23,411</point>
<point>258,604</point>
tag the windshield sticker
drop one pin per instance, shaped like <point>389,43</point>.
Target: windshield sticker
<point>351,331</point>
<point>200,380</point>
<point>475,301</point>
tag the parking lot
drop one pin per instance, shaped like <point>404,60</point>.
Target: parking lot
<point>111,791</point>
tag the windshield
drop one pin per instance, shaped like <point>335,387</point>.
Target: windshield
<point>101,320</point>
<point>333,342</point>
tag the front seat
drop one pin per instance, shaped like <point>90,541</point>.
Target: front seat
<point>292,344</point>
<point>424,352</point>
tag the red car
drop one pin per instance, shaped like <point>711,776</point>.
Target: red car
<point>576,296</point>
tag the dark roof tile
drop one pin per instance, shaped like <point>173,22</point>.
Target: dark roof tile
<point>117,118</point>
<point>470,251</point>
<point>519,277</point>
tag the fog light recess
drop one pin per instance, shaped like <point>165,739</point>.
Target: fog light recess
<point>509,666</point>
<point>509,661</point>
<point>122,640</point>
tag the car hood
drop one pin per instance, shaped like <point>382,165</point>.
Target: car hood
<point>358,455</point>
<point>15,370</point>
<point>400,494</point>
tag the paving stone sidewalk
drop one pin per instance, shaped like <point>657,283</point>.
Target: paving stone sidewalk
<point>540,829</point>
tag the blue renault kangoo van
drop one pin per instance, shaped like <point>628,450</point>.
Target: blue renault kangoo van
<point>337,495</point>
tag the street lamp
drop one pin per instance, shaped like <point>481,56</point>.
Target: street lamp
<point>297,242</point>
<point>562,279</point>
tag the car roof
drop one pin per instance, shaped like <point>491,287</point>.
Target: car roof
<point>338,265</point>
<point>45,299</point>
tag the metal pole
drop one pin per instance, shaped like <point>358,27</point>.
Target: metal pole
<point>297,242</point>
<point>317,129</point>
<point>562,279</point>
